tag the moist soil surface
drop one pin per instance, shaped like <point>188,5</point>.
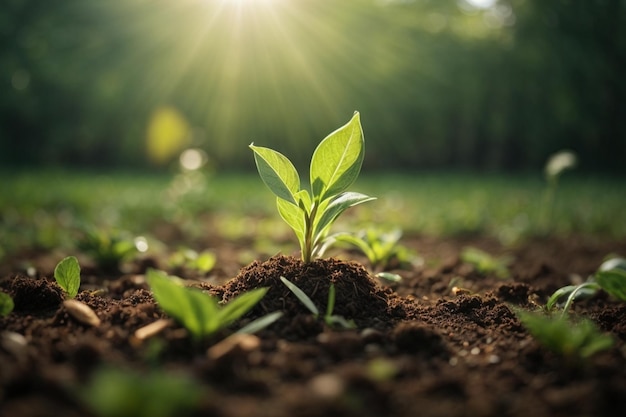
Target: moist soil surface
<point>444,341</point>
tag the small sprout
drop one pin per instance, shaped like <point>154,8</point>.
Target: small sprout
<point>109,248</point>
<point>559,162</point>
<point>380,247</point>
<point>389,276</point>
<point>570,340</point>
<point>202,262</point>
<point>381,369</point>
<point>6,304</point>
<point>334,167</point>
<point>610,277</point>
<point>329,318</point>
<point>484,263</point>
<point>122,393</point>
<point>554,168</point>
<point>197,311</point>
<point>67,275</point>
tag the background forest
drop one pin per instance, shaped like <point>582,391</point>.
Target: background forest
<point>478,85</point>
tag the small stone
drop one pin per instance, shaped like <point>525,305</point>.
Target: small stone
<point>14,343</point>
<point>327,386</point>
<point>82,312</point>
<point>237,343</point>
<point>152,329</point>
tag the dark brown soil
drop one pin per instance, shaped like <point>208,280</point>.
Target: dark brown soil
<point>442,342</point>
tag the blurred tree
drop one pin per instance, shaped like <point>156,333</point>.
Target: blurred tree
<point>439,83</point>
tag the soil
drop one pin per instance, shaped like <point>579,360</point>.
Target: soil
<point>444,341</point>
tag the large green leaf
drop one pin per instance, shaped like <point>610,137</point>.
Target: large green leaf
<point>337,206</point>
<point>277,172</point>
<point>67,275</point>
<point>337,160</point>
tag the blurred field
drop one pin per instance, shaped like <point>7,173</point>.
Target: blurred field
<point>50,210</point>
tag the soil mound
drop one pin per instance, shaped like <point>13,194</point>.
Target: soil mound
<point>359,296</point>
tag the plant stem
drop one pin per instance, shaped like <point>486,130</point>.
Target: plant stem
<point>308,235</point>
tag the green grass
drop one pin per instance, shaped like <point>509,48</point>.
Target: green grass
<point>46,209</point>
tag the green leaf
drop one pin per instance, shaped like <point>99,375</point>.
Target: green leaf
<point>260,323</point>
<point>67,275</point>
<point>338,205</point>
<point>240,305</point>
<point>200,313</point>
<point>6,304</point>
<point>330,305</point>
<point>304,299</point>
<point>277,172</point>
<point>197,311</point>
<point>613,281</point>
<point>205,261</point>
<point>581,339</point>
<point>337,160</point>
<point>389,276</point>
<point>293,215</point>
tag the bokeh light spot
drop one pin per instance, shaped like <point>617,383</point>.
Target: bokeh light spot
<point>168,133</point>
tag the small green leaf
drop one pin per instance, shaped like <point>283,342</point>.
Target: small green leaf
<point>330,305</point>
<point>337,160</point>
<point>67,275</point>
<point>581,339</point>
<point>304,299</point>
<point>613,281</point>
<point>260,323</point>
<point>205,261</point>
<point>613,263</point>
<point>197,311</point>
<point>338,205</point>
<point>240,305</point>
<point>389,276</point>
<point>277,172</point>
<point>293,216</point>
<point>6,304</point>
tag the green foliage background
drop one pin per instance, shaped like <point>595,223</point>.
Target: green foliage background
<point>438,83</point>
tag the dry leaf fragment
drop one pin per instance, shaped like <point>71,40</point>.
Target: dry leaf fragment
<point>81,312</point>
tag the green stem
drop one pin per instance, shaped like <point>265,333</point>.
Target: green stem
<point>573,294</point>
<point>308,235</point>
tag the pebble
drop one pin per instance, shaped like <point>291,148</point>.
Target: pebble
<point>82,312</point>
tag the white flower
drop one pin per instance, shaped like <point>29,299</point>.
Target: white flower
<point>559,162</point>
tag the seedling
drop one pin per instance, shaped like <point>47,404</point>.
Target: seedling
<point>122,393</point>
<point>380,248</point>
<point>335,165</point>
<point>610,277</point>
<point>67,275</point>
<point>6,304</point>
<point>570,340</point>
<point>554,168</point>
<point>200,313</point>
<point>329,318</point>
<point>202,262</point>
<point>108,248</point>
<point>486,263</point>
